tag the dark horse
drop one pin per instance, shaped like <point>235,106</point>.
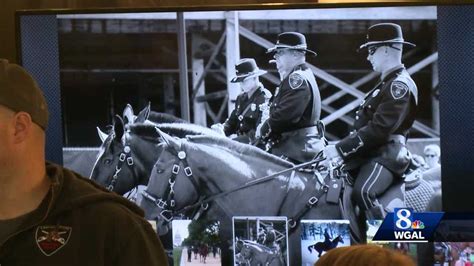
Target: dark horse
<point>202,167</point>
<point>255,254</point>
<point>138,133</point>
<point>321,247</point>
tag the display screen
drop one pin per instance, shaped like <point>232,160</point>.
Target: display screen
<point>121,75</point>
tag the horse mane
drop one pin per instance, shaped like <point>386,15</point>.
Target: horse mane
<point>238,148</point>
<point>158,117</point>
<point>175,129</point>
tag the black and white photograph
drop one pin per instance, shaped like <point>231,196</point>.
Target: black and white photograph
<point>320,236</point>
<point>196,242</point>
<point>207,115</point>
<point>260,241</point>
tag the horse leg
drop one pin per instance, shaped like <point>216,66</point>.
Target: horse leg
<point>310,249</point>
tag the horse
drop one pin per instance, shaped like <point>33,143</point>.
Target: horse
<point>205,167</point>
<point>253,253</point>
<point>203,251</point>
<point>321,247</point>
<point>129,151</point>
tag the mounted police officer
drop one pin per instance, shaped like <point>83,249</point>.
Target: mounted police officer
<point>247,114</point>
<point>296,107</point>
<point>375,152</point>
<point>270,236</point>
<point>327,237</point>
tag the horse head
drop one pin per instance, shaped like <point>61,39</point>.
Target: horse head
<point>338,239</point>
<point>120,165</point>
<point>171,186</point>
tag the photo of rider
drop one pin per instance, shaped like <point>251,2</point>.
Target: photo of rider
<point>320,236</point>
<point>260,241</point>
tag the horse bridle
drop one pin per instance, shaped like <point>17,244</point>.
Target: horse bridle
<point>168,213</point>
<point>124,157</point>
<point>167,203</point>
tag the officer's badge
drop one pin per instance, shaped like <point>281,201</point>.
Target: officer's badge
<point>253,107</point>
<point>51,238</point>
<point>375,93</point>
<point>398,89</point>
<point>296,80</point>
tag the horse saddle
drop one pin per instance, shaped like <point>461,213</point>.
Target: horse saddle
<point>393,198</point>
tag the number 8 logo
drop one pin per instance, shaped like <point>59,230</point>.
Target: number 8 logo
<point>403,222</point>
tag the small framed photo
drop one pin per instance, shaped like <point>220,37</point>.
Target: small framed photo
<point>320,236</point>
<point>260,240</point>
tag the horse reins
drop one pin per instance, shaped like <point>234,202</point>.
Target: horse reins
<point>169,213</point>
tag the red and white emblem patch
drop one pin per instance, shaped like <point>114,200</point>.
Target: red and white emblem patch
<point>51,238</point>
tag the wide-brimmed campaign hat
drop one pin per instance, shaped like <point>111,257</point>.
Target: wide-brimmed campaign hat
<point>384,34</point>
<point>292,41</point>
<point>246,67</point>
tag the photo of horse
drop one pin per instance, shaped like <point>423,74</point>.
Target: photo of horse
<point>260,241</point>
<point>196,243</point>
<point>320,236</point>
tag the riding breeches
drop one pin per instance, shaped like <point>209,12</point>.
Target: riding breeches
<point>373,179</point>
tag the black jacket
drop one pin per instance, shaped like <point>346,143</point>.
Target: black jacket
<point>297,104</point>
<point>246,116</point>
<point>388,110</point>
<point>80,223</point>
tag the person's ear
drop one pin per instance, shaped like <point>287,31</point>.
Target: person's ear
<point>23,124</point>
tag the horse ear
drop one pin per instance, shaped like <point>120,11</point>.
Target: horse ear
<point>169,140</point>
<point>143,115</point>
<point>103,136</point>
<point>118,127</point>
<point>128,116</point>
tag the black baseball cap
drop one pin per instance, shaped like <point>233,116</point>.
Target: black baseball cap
<point>20,92</point>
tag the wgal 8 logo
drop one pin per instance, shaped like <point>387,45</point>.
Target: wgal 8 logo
<point>405,227</point>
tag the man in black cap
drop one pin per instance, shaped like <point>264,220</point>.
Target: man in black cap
<point>296,107</point>
<point>249,104</point>
<point>48,214</point>
<point>375,151</point>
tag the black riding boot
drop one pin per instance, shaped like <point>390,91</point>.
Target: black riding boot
<point>375,213</point>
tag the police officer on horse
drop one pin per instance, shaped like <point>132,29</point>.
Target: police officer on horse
<point>375,152</point>
<point>247,114</point>
<point>291,128</point>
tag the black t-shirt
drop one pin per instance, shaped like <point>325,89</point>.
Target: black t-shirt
<point>8,227</point>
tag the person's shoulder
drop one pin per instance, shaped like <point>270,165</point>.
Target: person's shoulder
<point>78,192</point>
<point>297,80</point>
<point>401,86</point>
<point>266,94</point>
<point>405,78</point>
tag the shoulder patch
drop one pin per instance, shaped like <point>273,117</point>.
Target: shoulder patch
<point>398,89</point>
<point>296,80</point>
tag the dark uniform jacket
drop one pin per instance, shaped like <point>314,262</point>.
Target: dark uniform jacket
<point>382,123</point>
<point>246,116</point>
<point>297,104</point>
<point>80,223</point>
<point>294,113</point>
